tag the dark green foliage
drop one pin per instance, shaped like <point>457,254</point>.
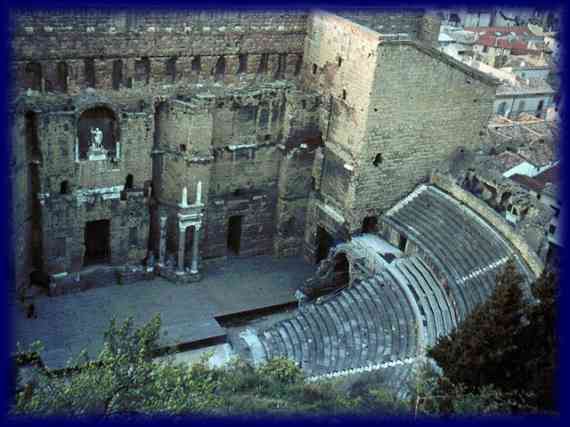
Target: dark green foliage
<point>125,379</point>
<point>505,349</point>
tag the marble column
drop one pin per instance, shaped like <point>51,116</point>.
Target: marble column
<point>162,242</point>
<point>181,244</point>
<point>195,243</point>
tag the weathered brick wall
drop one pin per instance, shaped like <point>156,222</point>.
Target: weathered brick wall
<point>423,108</point>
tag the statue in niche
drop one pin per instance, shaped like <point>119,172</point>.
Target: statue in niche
<point>96,150</point>
<point>97,139</point>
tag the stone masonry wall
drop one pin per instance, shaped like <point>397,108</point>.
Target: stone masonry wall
<point>423,108</point>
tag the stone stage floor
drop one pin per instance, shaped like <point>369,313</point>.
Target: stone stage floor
<point>69,323</point>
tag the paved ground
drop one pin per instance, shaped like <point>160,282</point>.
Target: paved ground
<point>69,323</point>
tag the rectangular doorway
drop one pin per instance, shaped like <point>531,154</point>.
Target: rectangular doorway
<point>97,242</point>
<point>324,242</point>
<point>234,234</point>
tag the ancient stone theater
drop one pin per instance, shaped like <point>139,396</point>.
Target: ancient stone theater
<point>153,143</point>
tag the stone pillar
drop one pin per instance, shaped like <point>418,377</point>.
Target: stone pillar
<point>162,242</point>
<point>195,243</point>
<point>184,201</point>
<point>181,244</point>
<point>199,193</point>
<point>76,150</point>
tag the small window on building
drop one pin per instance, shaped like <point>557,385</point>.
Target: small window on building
<point>314,68</point>
<point>64,187</point>
<point>344,94</point>
<point>196,64</point>
<point>377,160</point>
<point>485,49</point>
<point>552,229</point>
<point>303,104</point>
<point>183,147</point>
<point>339,61</point>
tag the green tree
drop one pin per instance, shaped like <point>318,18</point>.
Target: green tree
<point>484,349</point>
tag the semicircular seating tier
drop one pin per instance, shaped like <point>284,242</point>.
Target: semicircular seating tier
<point>393,304</point>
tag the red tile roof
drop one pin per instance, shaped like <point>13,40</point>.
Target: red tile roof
<point>527,181</point>
<point>503,43</point>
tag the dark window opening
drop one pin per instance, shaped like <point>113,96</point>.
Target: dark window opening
<point>313,183</point>
<point>142,70</point>
<point>539,108</point>
<point>281,66</point>
<point>34,76</point>
<point>324,243</point>
<point>552,229</point>
<point>242,64</point>
<point>117,74</point>
<point>298,64</point>
<point>64,187</point>
<point>133,236</point>
<point>344,94</point>
<point>267,137</point>
<point>234,234</point>
<point>196,64</point>
<point>32,142</point>
<point>339,61</point>
<point>171,69</point>
<point>263,63</point>
<point>97,242</point>
<point>62,73</point>
<point>314,68</point>
<point>189,241</point>
<point>377,160</point>
<point>183,147</point>
<point>303,104</point>
<point>341,271</point>
<point>370,224</point>
<point>220,68</point>
<point>238,192</point>
<point>129,182</point>
<point>402,243</point>
<point>90,72</point>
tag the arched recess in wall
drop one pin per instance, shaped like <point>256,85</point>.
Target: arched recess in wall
<point>62,73</point>
<point>298,64</point>
<point>117,74</point>
<point>171,69</point>
<point>34,75</point>
<point>242,64</point>
<point>220,68</point>
<point>142,70</point>
<point>103,118</point>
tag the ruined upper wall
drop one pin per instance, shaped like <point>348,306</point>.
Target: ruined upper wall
<point>67,51</point>
<point>405,24</point>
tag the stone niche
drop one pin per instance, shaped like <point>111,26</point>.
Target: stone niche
<point>98,134</point>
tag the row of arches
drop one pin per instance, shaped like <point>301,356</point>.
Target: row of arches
<point>36,78</point>
<point>504,109</point>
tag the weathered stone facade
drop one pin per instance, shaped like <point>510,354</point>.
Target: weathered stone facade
<point>223,134</point>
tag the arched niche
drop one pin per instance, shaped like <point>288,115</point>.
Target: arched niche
<point>98,117</point>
